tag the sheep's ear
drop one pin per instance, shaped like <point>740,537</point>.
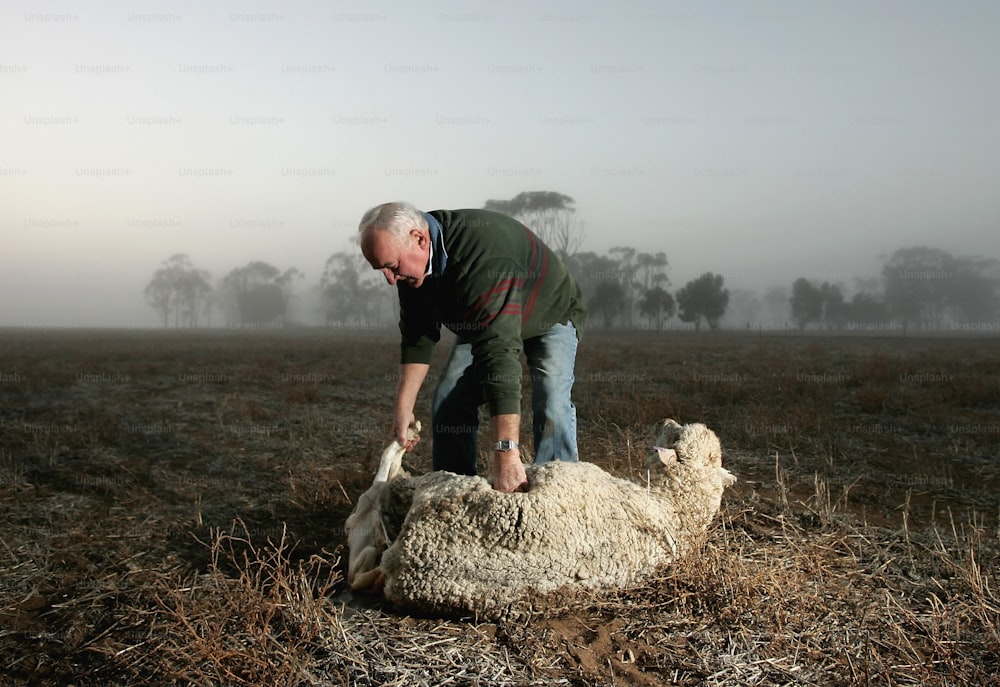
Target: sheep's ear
<point>661,457</point>
<point>668,433</point>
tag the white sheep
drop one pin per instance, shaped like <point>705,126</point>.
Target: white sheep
<point>453,545</point>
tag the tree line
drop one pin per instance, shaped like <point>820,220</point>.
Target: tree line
<point>919,287</point>
<point>257,293</point>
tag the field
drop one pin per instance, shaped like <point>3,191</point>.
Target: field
<point>172,509</point>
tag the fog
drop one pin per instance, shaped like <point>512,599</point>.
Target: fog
<point>760,141</point>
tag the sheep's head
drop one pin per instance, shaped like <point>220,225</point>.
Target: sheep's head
<point>691,449</point>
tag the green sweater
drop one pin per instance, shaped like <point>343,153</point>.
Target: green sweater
<point>499,286</point>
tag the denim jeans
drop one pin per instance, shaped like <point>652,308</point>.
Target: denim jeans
<point>455,408</point>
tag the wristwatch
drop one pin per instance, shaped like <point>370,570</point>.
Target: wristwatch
<point>505,445</point>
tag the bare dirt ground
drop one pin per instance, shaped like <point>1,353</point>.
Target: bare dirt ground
<point>173,504</point>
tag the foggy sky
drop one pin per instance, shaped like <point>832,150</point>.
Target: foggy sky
<point>763,141</point>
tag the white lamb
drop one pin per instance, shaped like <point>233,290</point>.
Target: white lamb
<point>450,544</point>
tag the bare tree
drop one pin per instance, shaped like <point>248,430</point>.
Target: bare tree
<point>178,289</point>
<point>628,268</point>
<point>351,292</point>
<point>549,214</point>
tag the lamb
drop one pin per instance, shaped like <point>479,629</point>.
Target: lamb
<point>451,545</point>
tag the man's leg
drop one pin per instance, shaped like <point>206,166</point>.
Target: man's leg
<point>455,413</point>
<point>551,359</point>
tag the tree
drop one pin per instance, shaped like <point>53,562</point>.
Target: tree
<point>192,292</point>
<point>651,271</point>
<point>916,284</point>
<point>626,268</point>
<point>704,297</point>
<point>657,306</point>
<point>159,295</point>
<point>974,292</point>
<point>262,304</point>
<point>608,300</point>
<point>806,302</point>
<point>225,299</point>
<point>258,292</point>
<point>835,313</point>
<point>180,289</point>
<point>549,214</point>
<point>929,286</point>
<point>865,308</point>
<point>590,270</point>
<point>352,292</point>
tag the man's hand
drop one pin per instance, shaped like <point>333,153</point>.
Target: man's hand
<point>411,376</point>
<point>508,472</point>
<point>402,423</point>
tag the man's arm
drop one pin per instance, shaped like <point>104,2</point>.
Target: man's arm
<point>411,378</point>
<point>508,470</point>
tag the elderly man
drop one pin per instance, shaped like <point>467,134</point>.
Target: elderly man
<point>502,291</point>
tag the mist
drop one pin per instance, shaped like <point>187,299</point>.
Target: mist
<point>763,144</point>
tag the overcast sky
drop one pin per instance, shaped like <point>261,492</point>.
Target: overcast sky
<point>760,140</point>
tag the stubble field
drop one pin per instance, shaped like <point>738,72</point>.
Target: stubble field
<point>172,510</point>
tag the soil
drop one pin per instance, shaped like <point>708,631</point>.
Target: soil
<point>127,451</point>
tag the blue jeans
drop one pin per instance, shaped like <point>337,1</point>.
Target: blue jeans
<point>455,408</point>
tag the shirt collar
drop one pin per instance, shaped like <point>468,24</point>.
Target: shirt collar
<point>439,257</point>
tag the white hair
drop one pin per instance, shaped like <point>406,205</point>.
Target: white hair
<point>397,218</point>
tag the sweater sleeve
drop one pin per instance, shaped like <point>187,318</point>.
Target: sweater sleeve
<point>418,325</point>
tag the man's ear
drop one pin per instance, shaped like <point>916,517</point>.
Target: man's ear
<point>421,236</point>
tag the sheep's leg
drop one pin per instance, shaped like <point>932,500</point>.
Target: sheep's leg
<point>361,565</point>
<point>370,581</point>
<point>392,457</point>
<point>366,535</point>
<point>361,534</point>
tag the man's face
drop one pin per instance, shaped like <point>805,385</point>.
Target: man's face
<point>400,264</point>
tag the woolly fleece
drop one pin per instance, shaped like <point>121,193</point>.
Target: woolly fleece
<point>464,548</point>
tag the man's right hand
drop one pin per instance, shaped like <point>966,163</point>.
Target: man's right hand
<point>411,376</point>
<point>402,423</point>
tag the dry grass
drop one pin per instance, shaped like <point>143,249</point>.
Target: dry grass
<point>184,526</point>
<point>256,617</point>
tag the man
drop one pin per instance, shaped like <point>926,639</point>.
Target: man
<point>502,291</point>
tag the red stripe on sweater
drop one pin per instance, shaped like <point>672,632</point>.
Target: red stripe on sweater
<point>501,288</point>
<point>539,275</point>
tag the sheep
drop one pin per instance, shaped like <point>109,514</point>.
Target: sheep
<point>465,549</point>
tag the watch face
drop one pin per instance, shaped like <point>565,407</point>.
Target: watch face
<point>505,445</point>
